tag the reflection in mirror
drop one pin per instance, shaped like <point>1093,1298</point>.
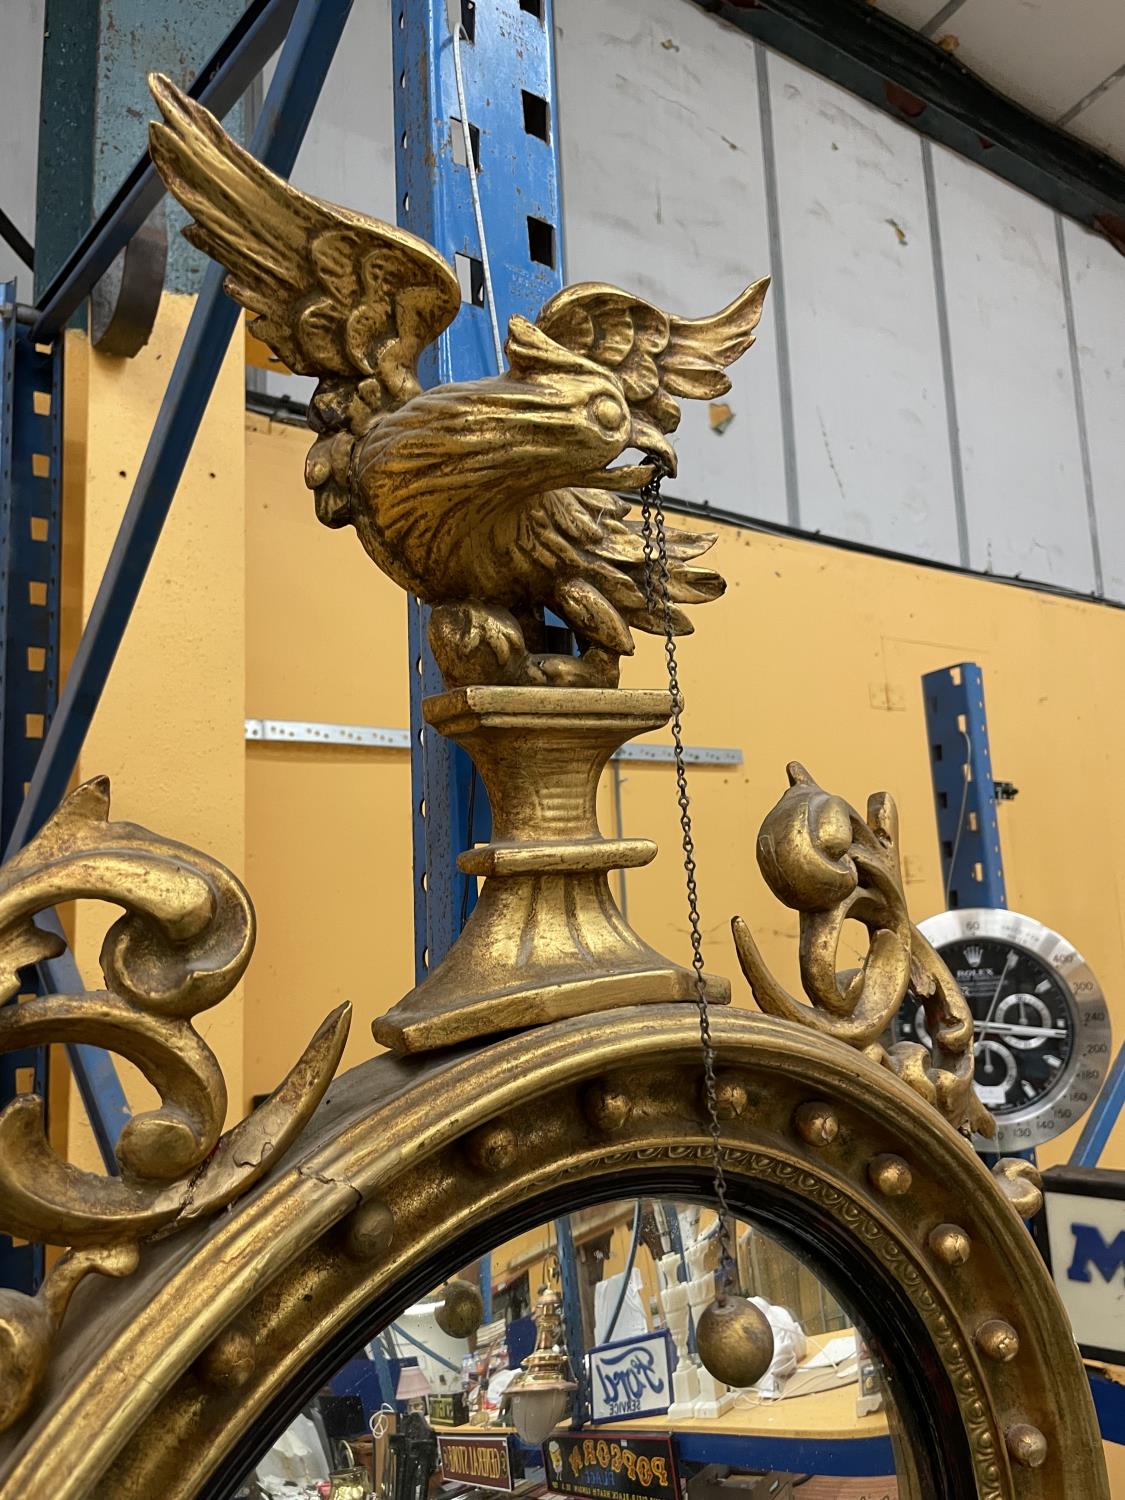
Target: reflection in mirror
<point>564,1364</point>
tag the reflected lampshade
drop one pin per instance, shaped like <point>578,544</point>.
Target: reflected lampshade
<point>412,1382</point>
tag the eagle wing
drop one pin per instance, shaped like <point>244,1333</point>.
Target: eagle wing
<point>605,587</point>
<point>335,294</point>
<point>654,356</point>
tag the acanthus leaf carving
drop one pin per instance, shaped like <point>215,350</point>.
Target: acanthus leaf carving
<point>824,860</point>
<point>181,945</point>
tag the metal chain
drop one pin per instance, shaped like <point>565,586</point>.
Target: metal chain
<point>657,582</point>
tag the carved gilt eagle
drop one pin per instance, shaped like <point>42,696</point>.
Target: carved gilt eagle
<point>491,499</point>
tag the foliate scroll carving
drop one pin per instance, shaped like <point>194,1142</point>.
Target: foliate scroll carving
<point>180,947</point>
<point>821,858</point>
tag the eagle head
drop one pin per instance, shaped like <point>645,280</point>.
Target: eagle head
<point>553,420</point>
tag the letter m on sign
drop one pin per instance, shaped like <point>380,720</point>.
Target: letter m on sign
<point>1091,1249</point>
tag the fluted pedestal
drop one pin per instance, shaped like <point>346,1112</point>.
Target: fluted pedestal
<point>546,939</point>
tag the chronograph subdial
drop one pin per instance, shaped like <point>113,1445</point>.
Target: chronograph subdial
<point>996,1073</point>
<point>1025,1022</point>
<point>1040,1020</point>
<point>1021,1018</point>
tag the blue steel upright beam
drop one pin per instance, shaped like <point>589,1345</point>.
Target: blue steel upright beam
<point>508,72</point>
<point>30,452</point>
<point>972,866</point>
<point>964,791</point>
<point>30,489</point>
<point>1102,1117</point>
<point>572,1319</point>
<point>293,92</point>
<point>294,89</point>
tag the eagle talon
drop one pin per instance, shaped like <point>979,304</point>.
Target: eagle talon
<point>484,644</point>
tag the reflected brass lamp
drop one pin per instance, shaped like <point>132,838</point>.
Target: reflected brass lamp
<point>539,1393</point>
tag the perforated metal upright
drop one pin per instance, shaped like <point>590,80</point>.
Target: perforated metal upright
<point>965,795</point>
<point>964,789</point>
<point>508,72</point>
<point>30,454</point>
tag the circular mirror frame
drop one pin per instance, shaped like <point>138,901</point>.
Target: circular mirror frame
<point>171,1382</point>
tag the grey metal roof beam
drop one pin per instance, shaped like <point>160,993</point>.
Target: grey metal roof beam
<point>910,78</point>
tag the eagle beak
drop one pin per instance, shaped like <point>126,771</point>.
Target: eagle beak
<point>656,447</point>
<point>660,450</point>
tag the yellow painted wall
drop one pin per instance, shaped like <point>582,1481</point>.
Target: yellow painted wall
<point>327,829</point>
<point>169,730</point>
<point>815,653</point>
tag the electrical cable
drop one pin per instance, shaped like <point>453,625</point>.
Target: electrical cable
<point>627,1273</point>
<point>457,31</point>
<point>474,192</point>
<point>966,769</point>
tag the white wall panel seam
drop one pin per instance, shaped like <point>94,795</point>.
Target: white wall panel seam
<point>776,299</point>
<point>1080,406</point>
<point>1025,499</point>
<point>941,300</point>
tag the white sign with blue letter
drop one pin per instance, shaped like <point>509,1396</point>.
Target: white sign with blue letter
<point>631,1377</point>
<point>1084,1242</point>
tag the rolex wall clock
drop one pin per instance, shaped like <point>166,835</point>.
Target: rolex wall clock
<point>1041,1021</point>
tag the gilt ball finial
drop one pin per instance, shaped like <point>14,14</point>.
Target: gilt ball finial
<point>735,1341</point>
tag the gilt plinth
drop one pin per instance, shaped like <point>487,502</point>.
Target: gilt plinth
<point>546,939</point>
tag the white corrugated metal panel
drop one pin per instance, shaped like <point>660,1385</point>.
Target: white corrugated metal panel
<point>1024,486</point>
<point>348,154</point>
<point>1097,279</point>
<point>663,195</point>
<point>868,398</point>
<point>21,58</point>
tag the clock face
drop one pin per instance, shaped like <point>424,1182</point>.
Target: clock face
<point>1042,1027</point>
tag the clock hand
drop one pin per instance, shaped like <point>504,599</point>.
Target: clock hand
<point>999,986</point>
<point>1008,1029</point>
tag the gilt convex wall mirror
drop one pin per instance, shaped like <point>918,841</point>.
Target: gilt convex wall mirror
<point>554,1066</point>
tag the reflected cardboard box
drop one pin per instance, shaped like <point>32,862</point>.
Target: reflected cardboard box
<point>448,1409</point>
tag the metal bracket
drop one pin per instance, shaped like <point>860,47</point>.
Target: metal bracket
<point>371,736</point>
<point>1102,1117</point>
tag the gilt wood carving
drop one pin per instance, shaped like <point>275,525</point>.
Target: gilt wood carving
<point>167,1376</point>
<point>492,501</point>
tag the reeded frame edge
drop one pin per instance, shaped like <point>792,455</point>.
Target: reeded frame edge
<point>176,1367</point>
